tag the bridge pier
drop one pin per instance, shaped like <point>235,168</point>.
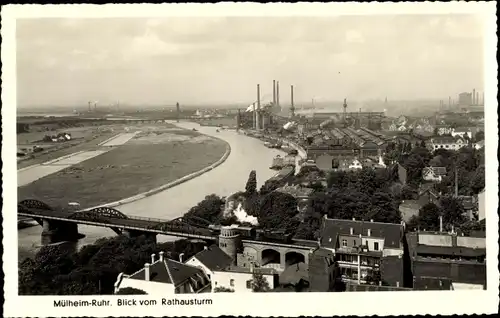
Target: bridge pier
<point>136,233</point>
<point>59,231</point>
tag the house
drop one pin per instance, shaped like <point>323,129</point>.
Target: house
<point>441,256</point>
<point>462,132</point>
<point>165,276</point>
<point>355,164</point>
<point>323,270</point>
<point>365,251</point>
<point>210,259</point>
<point>240,279</point>
<point>447,142</point>
<point>435,174</point>
<point>427,194</point>
<point>444,130</point>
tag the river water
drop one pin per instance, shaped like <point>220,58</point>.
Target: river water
<point>247,154</point>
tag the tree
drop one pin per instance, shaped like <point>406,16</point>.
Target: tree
<point>277,210</point>
<point>209,209</point>
<point>131,291</point>
<point>479,136</point>
<point>222,289</point>
<point>452,211</point>
<point>259,283</point>
<point>251,186</point>
<point>477,180</point>
<point>428,218</point>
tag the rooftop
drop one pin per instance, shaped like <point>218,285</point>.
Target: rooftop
<point>214,258</point>
<point>168,271</point>
<point>332,228</point>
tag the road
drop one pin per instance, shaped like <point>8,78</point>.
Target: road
<point>231,176</point>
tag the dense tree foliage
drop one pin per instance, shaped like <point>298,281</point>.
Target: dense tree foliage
<point>365,195</point>
<point>251,186</point>
<point>209,209</point>
<point>275,210</point>
<point>259,283</point>
<point>55,270</point>
<point>428,218</point>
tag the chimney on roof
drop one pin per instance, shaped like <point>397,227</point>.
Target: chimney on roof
<point>369,232</point>
<point>161,256</point>
<point>153,258</point>
<point>181,257</point>
<point>371,220</point>
<point>354,219</point>
<point>397,284</point>
<point>146,271</point>
<point>440,223</point>
<point>205,247</point>
<point>380,283</point>
<point>351,230</point>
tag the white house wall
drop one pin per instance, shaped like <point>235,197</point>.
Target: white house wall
<point>223,279</point>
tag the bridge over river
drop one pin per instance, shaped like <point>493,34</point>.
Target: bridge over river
<point>62,226</point>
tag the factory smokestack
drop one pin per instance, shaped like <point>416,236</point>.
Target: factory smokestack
<point>292,107</point>
<point>474,102</point>
<point>483,99</point>
<point>238,120</point>
<point>90,107</point>
<point>178,111</point>
<point>278,93</point>
<point>257,113</point>
<point>449,101</point>
<point>477,98</point>
<point>274,92</point>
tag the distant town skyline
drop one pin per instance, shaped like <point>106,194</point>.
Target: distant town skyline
<point>200,61</point>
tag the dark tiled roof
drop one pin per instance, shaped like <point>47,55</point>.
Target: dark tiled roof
<point>450,251</point>
<point>332,228</point>
<point>169,272</point>
<point>214,258</point>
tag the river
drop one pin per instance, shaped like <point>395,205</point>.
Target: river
<point>247,154</point>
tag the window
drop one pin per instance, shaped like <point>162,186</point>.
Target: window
<point>375,246</point>
<point>231,282</point>
<point>344,243</point>
<point>249,284</point>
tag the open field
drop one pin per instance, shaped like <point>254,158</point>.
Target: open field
<point>148,161</point>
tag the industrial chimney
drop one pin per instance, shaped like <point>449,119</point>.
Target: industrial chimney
<point>474,101</point>
<point>278,93</point>
<point>477,98</point>
<point>90,107</point>
<point>178,111</point>
<point>257,112</point>
<point>274,92</point>
<point>292,107</point>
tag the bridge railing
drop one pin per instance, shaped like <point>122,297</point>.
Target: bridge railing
<point>142,218</point>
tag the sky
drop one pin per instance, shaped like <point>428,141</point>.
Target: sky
<point>208,60</point>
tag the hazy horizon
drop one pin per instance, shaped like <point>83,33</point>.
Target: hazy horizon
<point>219,61</point>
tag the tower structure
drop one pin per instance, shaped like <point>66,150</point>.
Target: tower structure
<point>278,94</point>
<point>178,110</point>
<point>257,111</point>
<point>90,107</point>
<point>274,92</point>
<point>474,100</point>
<point>345,110</point>
<point>229,242</point>
<point>292,106</point>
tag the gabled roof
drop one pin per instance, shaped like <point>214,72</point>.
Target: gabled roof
<point>169,272</point>
<point>214,258</point>
<point>332,228</point>
<point>438,171</point>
